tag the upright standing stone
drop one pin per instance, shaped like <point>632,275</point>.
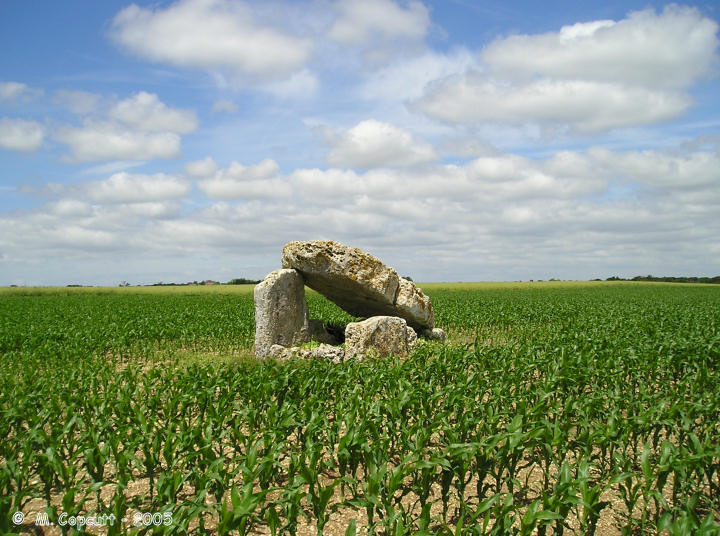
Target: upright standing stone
<point>358,282</point>
<point>281,312</point>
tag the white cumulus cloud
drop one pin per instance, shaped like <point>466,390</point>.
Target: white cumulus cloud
<point>361,22</point>
<point>140,127</point>
<point>20,135</point>
<point>13,91</point>
<point>509,216</point>
<point>145,111</point>
<point>374,143</point>
<point>211,35</point>
<point>585,106</point>
<point>201,168</point>
<point>467,147</point>
<point>104,140</point>
<point>69,208</point>
<point>225,105</point>
<point>137,188</point>
<point>261,181</point>
<point>589,77</point>
<point>671,49</point>
<point>302,84</point>
<point>406,79</point>
<point>663,169</point>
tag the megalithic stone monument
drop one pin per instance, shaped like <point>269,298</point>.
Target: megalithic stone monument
<point>356,281</point>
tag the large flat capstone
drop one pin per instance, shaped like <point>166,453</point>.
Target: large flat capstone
<point>358,282</point>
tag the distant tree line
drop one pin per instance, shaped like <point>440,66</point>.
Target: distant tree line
<point>668,279</point>
<point>243,281</point>
<point>234,281</point>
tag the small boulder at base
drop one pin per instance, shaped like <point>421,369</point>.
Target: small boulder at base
<point>323,352</point>
<point>281,312</point>
<point>435,334</point>
<point>358,282</point>
<point>379,336</point>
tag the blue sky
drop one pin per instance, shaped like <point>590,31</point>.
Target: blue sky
<point>457,141</point>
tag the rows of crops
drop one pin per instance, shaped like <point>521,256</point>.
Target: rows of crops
<point>551,411</point>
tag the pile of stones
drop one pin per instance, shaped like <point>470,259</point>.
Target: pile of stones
<point>395,310</point>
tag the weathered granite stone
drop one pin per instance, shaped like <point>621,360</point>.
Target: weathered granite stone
<point>358,282</point>
<point>324,351</point>
<point>328,351</point>
<point>414,306</point>
<point>379,336</point>
<point>435,334</point>
<point>281,312</point>
<point>278,351</point>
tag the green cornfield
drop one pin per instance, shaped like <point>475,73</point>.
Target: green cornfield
<point>556,409</point>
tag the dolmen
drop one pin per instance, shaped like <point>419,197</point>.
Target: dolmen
<point>395,310</point>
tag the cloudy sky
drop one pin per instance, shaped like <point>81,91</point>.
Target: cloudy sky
<point>462,140</point>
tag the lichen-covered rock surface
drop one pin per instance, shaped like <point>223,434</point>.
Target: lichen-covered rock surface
<point>336,354</point>
<point>281,312</point>
<point>435,334</point>
<point>358,282</point>
<point>379,336</point>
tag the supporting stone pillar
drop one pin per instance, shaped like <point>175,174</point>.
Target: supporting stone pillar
<point>281,312</point>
